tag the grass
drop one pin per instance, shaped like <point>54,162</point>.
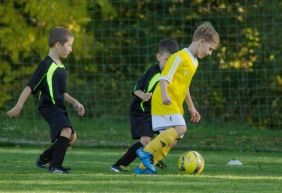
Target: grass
<point>259,150</point>
<point>261,173</point>
<point>106,132</point>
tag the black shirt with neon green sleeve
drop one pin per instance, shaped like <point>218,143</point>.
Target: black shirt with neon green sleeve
<point>147,83</point>
<point>50,80</point>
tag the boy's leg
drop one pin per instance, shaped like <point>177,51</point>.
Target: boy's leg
<point>60,131</point>
<point>44,159</point>
<point>130,155</point>
<point>146,155</point>
<point>160,155</point>
<point>48,153</point>
<point>73,138</point>
<point>61,146</point>
<point>167,137</point>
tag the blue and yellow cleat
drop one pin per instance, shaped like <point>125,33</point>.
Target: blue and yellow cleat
<point>138,171</point>
<point>146,159</point>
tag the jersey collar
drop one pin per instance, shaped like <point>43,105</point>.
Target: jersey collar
<point>194,59</point>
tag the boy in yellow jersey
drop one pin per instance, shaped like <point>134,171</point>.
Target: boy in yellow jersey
<point>173,89</point>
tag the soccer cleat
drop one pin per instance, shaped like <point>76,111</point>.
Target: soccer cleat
<point>161,164</point>
<point>46,164</point>
<point>42,164</point>
<point>58,170</point>
<point>146,159</point>
<point>138,171</point>
<point>118,169</point>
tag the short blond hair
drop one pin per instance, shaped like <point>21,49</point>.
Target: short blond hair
<point>207,32</point>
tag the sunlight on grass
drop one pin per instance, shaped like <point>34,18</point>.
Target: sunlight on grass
<point>91,173</point>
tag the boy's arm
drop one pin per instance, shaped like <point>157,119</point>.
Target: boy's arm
<point>141,84</point>
<point>16,110</point>
<point>77,105</point>
<point>195,115</point>
<point>144,96</point>
<point>165,98</point>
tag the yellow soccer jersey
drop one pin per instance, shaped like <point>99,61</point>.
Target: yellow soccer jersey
<point>178,71</point>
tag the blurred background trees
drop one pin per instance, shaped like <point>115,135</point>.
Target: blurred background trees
<point>116,41</point>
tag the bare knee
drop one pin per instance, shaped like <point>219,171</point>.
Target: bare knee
<point>73,138</point>
<point>145,140</point>
<point>66,132</point>
<point>173,144</point>
<point>181,130</point>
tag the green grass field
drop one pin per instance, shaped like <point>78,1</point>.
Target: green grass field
<point>23,139</point>
<point>261,172</point>
<point>105,132</point>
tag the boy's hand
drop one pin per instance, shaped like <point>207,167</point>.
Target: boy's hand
<point>79,108</point>
<point>166,100</point>
<point>15,111</point>
<point>146,96</point>
<point>195,115</point>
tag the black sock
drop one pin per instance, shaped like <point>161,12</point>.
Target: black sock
<point>48,153</point>
<point>59,152</point>
<point>129,156</point>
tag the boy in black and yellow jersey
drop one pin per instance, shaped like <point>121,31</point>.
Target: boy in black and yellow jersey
<point>50,80</point>
<point>173,91</point>
<point>140,109</point>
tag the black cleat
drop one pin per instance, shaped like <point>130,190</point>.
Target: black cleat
<point>42,164</point>
<point>58,170</point>
<point>118,169</point>
<point>66,168</point>
<point>161,164</point>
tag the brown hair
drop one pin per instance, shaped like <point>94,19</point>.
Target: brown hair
<point>59,34</point>
<point>207,32</point>
<point>168,45</point>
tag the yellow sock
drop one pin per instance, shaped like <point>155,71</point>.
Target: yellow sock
<point>160,155</point>
<point>157,156</point>
<point>165,138</point>
<point>160,146</point>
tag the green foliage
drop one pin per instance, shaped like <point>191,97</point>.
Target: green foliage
<point>115,42</point>
<point>24,35</point>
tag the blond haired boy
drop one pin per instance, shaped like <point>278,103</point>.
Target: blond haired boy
<point>172,91</point>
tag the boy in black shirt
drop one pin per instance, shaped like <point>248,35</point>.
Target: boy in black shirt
<point>140,110</point>
<point>50,80</point>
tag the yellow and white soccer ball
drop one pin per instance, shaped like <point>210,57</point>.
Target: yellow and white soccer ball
<point>191,162</point>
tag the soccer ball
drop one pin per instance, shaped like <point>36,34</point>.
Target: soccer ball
<point>191,162</point>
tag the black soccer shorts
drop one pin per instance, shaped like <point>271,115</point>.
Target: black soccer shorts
<point>141,125</point>
<point>57,119</point>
